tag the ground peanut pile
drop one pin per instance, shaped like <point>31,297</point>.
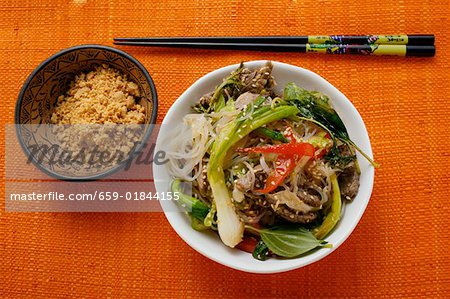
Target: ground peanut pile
<point>98,119</point>
<point>103,96</point>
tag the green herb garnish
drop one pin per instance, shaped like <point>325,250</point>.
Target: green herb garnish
<point>315,106</point>
<point>261,251</point>
<point>289,240</point>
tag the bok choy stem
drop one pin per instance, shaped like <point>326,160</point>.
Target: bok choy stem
<point>334,215</point>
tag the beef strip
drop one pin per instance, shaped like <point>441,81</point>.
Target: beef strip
<point>257,80</point>
<point>290,215</point>
<point>293,215</point>
<point>349,183</point>
<point>310,197</point>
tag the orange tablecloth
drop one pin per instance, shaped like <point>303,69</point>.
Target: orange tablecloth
<point>401,246</point>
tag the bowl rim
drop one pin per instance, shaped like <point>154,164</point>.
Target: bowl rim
<point>171,216</point>
<point>122,164</point>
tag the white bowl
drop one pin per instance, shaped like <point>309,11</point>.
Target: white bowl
<point>209,244</point>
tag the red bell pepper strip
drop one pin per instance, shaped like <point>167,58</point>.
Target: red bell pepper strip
<point>288,153</point>
<point>284,166</point>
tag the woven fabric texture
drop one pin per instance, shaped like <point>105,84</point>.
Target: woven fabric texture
<point>400,247</point>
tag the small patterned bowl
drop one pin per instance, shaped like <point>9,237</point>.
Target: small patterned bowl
<point>52,78</point>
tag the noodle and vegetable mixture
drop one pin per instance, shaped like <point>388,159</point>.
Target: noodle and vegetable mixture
<point>269,172</point>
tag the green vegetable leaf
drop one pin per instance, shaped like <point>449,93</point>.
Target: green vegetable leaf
<point>209,220</point>
<point>222,94</point>
<point>271,134</point>
<point>194,206</point>
<point>288,240</point>
<point>218,100</point>
<point>220,103</point>
<point>315,106</point>
<point>261,251</point>
<point>320,141</point>
<point>197,224</point>
<point>335,158</point>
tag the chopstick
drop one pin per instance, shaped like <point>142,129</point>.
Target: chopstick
<point>398,39</point>
<point>365,49</point>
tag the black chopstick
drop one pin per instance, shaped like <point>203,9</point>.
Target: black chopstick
<point>398,39</point>
<point>398,50</point>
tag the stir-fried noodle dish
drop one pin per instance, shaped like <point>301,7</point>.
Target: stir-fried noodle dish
<point>270,172</point>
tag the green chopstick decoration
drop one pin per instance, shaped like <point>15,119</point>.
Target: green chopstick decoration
<point>372,49</point>
<point>395,39</point>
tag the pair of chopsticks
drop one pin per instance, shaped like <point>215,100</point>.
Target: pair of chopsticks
<point>400,45</point>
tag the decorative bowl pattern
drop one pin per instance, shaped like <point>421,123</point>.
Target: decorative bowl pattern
<point>52,78</point>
